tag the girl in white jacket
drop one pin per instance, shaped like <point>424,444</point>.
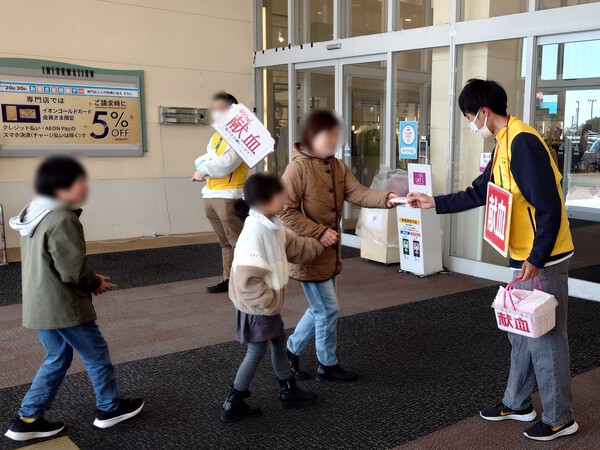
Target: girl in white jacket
<point>257,288</point>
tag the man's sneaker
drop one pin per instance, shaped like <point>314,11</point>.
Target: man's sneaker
<point>221,286</point>
<point>544,432</point>
<point>502,412</point>
<point>126,410</point>
<point>39,428</point>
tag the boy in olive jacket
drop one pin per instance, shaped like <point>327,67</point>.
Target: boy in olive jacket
<point>57,301</point>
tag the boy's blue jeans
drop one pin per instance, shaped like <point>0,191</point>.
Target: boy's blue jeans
<point>59,344</point>
<point>319,322</point>
<point>545,359</point>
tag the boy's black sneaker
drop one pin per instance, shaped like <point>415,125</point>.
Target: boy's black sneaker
<point>127,409</point>
<point>544,432</point>
<point>335,373</point>
<point>39,428</point>
<point>221,286</point>
<point>503,412</point>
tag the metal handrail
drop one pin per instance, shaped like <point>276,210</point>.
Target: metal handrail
<point>4,260</point>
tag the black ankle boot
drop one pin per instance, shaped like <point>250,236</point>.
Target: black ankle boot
<point>290,395</point>
<point>221,286</point>
<point>294,361</point>
<point>235,408</point>
<point>335,373</point>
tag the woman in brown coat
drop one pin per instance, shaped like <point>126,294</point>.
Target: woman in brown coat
<point>318,183</point>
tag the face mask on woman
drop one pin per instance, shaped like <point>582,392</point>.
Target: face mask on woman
<point>484,131</point>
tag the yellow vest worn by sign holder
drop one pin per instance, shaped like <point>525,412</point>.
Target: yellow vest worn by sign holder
<point>236,179</point>
<point>523,225</point>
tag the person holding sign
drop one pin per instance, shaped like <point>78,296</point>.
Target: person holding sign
<point>225,173</point>
<point>525,210</point>
<point>318,183</point>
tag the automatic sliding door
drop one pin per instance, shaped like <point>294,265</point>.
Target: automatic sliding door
<point>567,115</point>
<point>363,111</point>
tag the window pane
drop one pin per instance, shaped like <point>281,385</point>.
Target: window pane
<point>315,20</point>
<point>483,9</point>
<point>581,60</point>
<point>413,94</point>
<point>502,62</point>
<point>315,88</point>
<point>275,115</point>
<point>362,17</point>
<point>413,14</point>
<point>549,4</point>
<point>274,22</point>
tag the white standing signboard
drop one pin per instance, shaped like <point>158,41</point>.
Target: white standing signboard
<point>245,134</point>
<point>419,230</point>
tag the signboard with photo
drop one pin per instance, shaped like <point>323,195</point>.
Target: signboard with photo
<point>63,108</point>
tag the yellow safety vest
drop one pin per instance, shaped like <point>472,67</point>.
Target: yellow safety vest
<point>522,228</point>
<point>236,179</point>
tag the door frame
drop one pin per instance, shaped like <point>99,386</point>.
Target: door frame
<point>339,65</point>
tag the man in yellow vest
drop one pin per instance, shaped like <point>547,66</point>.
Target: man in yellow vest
<point>540,245</point>
<point>225,173</point>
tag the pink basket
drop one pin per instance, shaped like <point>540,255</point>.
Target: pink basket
<point>528,313</point>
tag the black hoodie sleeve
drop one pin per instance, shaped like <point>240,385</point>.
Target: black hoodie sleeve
<point>470,198</point>
<point>531,168</point>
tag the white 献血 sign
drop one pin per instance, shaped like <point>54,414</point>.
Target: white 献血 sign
<point>246,135</point>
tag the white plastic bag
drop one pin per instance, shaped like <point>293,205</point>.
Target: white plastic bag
<point>371,223</point>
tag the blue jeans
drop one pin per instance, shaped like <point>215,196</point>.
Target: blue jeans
<point>545,359</point>
<point>59,344</point>
<point>319,322</point>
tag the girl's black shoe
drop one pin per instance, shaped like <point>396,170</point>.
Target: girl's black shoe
<point>39,428</point>
<point>294,361</point>
<point>335,373</point>
<point>543,432</point>
<point>235,408</point>
<point>291,395</point>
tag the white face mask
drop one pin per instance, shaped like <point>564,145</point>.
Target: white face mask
<point>484,131</point>
<point>216,115</point>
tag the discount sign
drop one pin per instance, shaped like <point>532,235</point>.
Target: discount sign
<point>498,209</point>
<point>59,113</point>
<point>245,134</point>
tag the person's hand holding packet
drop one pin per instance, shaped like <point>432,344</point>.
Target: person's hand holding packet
<point>418,200</point>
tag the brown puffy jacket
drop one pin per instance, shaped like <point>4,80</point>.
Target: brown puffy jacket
<point>316,190</point>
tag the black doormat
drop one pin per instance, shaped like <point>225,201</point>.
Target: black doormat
<point>589,273</point>
<point>138,268</point>
<point>424,366</point>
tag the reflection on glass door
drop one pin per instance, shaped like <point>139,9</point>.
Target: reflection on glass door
<point>315,88</point>
<point>567,115</point>
<point>364,104</point>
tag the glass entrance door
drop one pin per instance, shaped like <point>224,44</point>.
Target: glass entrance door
<point>567,115</point>
<point>363,110</point>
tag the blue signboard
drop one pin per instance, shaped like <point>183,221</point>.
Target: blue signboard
<point>408,140</point>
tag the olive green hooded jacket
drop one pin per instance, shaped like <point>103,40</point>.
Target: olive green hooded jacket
<point>57,282</point>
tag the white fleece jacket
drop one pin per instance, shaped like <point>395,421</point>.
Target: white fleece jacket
<point>259,273</point>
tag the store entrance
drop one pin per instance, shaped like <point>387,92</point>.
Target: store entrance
<point>567,115</point>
